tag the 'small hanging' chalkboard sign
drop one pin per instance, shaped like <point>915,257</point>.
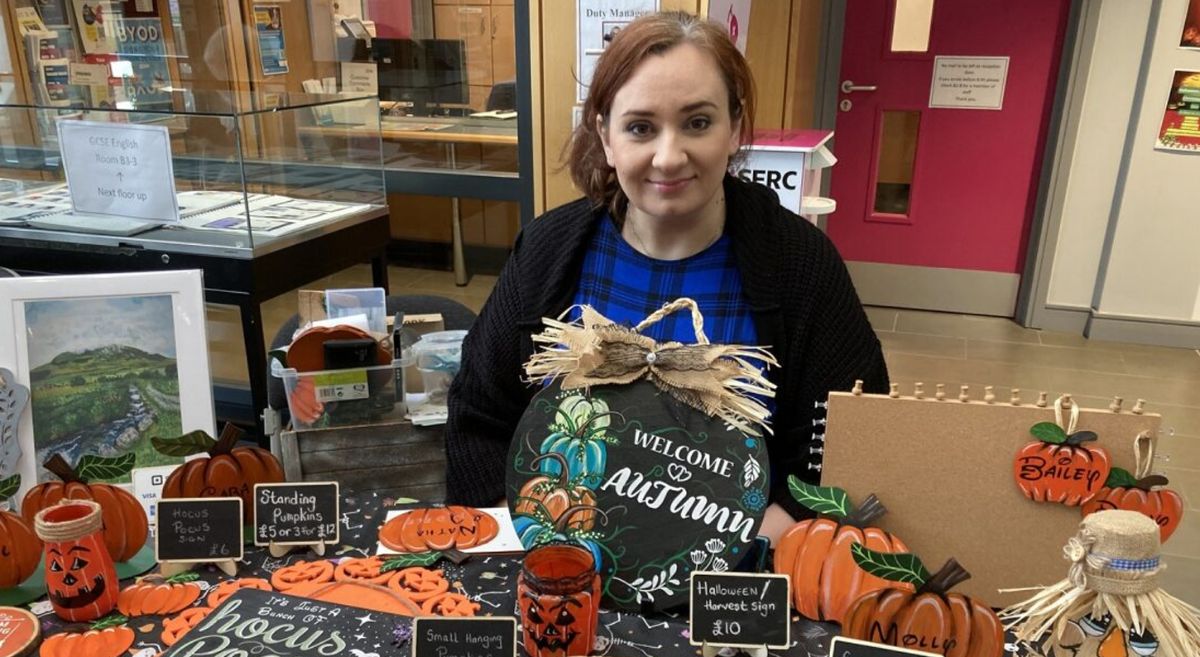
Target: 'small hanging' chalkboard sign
<point>740,610</point>
<point>465,637</point>
<point>655,489</point>
<point>296,514</point>
<point>843,647</point>
<point>253,622</point>
<point>199,529</point>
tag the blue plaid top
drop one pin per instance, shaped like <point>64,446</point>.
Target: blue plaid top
<point>625,286</point>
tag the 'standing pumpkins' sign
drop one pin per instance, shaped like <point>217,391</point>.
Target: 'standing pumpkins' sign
<point>645,454</point>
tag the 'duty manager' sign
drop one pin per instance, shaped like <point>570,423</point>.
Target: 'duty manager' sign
<point>653,488</point>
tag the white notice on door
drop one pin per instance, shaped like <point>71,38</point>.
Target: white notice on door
<point>119,169</point>
<point>969,82</point>
<point>360,77</point>
<point>596,23</point>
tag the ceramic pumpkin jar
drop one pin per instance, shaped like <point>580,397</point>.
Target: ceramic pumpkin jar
<point>816,553</point>
<point>80,577</point>
<point>227,471</point>
<point>20,548</point>
<point>558,594</point>
<point>930,619</point>
<point>125,523</point>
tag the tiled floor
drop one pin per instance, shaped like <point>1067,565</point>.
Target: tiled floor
<point>933,348</point>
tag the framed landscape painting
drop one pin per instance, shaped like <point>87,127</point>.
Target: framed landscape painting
<point>110,361</point>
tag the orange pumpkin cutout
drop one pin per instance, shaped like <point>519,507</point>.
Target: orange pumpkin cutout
<point>816,553</point>
<point>20,548</point>
<point>157,596</point>
<point>362,570</point>
<point>302,572</point>
<point>546,496</point>
<point>931,619</point>
<point>450,605</point>
<point>175,627</point>
<point>227,471</point>
<point>442,528</point>
<point>125,523</point>
<point>106,642</point>
<point>1057,467</point>
<point>1140,491</point>
<point>221,591</point>
<point>418,584</point>
<point>80,577</point>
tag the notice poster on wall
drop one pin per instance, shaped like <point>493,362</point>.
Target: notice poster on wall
<point>596,23</point>
<point>1190,38</point>
<point>272,52</point>
<point>968,82</point>
<point>96,20</point>
<point>141,43</point>
<point>1180,129</point>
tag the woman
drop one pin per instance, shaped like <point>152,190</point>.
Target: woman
<point>670,103</point>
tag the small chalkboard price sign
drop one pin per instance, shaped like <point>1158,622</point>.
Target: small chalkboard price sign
<point>288,515</point>
<point>843,647</point>
<point>198,530</point>
<point>465,637</point>
<point>740,610</point>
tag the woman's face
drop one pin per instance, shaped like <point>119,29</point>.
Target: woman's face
<point>669,134</point>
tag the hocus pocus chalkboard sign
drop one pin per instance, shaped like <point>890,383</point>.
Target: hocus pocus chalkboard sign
<point>653,488</point>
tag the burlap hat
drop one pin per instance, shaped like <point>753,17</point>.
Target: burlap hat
<point>1115,552</point>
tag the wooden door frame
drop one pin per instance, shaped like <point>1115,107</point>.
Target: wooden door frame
<point>972,290</point>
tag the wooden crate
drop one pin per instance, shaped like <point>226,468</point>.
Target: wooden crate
<point>405,460</point>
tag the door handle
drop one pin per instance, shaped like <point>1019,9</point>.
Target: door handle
<point>848,86</point>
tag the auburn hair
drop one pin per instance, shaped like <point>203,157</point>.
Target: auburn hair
<point>651,34</point>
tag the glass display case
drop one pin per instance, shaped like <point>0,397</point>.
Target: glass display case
<point>251,173</point>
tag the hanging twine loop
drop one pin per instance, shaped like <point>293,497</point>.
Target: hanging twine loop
<point>1069,427</point>
<point>718,380</point>
<point>68,530</point>
<point>1143,454</point>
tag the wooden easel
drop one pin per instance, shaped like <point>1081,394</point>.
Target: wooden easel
<point>172,568</point>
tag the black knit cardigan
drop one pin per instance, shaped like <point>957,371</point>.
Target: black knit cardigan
<point>803,304</point>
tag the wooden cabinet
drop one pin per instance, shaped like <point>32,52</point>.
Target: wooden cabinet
<point>488,35</point>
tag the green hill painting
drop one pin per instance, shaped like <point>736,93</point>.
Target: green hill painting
<point>103,377</point>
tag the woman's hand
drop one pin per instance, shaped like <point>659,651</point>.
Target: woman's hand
<point>775,522</point>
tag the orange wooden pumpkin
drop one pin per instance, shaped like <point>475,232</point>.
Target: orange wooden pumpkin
<point>20,548</point>
<point>551,496</point>
<point>227,471</point>
<point>930,619</point>
<point>442,528</point>
<point>1058,468</point>
<point>302,572</point>
<point>365,569</point>
<point>218,593</point>
<point>816,553</point>
<point>419,584</point>
<point>105,642</point>
<point>159,596</point>
<point>125,524</point>
<point>175,627</point>
<point>450,605</point>
<point>1124,491</point>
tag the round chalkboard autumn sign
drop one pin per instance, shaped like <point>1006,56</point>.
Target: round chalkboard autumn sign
<point>648,455</point>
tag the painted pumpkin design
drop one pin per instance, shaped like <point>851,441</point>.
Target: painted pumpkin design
<point>1146,496</point>
<point>154,595</point>
<point>80,577</point>
<point>125,523</point>
<point>227,471</point>
<point>20,548</point>
<point>442,528</point>
<point>546,496</point>
<point>817,555</point>
<point>931,619</point>
<point>1100,637</point>
<point>580,435</point>
<point>107,642</point>
<point>1059,468</point>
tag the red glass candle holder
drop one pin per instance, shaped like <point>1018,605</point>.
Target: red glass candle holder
<point>558,592</point>
<point>80,577</point>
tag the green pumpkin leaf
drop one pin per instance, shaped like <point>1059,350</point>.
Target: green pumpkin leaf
<point>184,577</point>
<point>409,560</point>
<point>9,487</point>
<point>1120,478</point>
<point>194,442</point>
<point>822,499</point>
<point>1049,432</point>
<point>111,620</point>
<point>904,568</point>
<point>99,468</point>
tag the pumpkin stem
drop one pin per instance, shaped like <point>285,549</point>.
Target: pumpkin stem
<point>564,478</point>
<point>950,575</point>
<point>1147,483</point>
<point>59,466</point>
<point>561,525</point>
<point>230,435</point>
<point>869,511</point>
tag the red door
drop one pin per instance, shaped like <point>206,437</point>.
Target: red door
<point>935,202</point>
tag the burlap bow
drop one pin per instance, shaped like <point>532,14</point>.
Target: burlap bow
<point>718,380</point>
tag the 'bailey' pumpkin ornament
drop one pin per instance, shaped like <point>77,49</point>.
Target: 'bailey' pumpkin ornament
<point>227,471</point>
<point>81,580</point>
<point>1110,604</point>
<point>1058,467</point>
<point>554,494</point>
<point>125,523</point>
<point>929,619</point>
<point>1141,492</point>
<point>20,548</point>
<point>816,553</point>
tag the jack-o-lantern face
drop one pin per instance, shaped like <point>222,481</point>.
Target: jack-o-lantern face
<point>1100,637</point>
<point>552,623</point>
<point>72,584</point>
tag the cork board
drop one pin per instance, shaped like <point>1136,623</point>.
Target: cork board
<point>944,471</point>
